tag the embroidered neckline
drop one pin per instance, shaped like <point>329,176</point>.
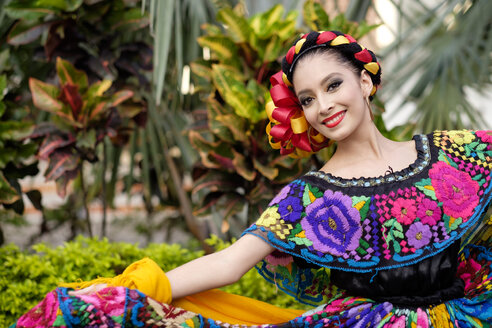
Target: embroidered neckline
<point>422,161</point>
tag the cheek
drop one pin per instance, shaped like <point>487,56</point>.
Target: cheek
<point>311,115</point>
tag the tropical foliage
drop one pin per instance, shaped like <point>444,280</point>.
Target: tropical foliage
<point>15,159</point>
<point>442,52</point>
<point>238,173</point>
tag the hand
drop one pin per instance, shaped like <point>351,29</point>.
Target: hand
<point>88,290</point>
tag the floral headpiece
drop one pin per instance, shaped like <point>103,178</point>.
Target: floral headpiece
<point>288,129</point>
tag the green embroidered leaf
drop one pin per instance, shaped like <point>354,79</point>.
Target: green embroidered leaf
<point>481,156</point>
<point>396,246</point>
<point>389,223</point>
<point>398,226</point>
<point>451,225</point>
<point>477,177</point>
<point>398,234</point>
<point>473,144</point>
<point>306,200</point>
<point>361,251</point>
<point>364,243</point>
<point>468,151</point>
<point>481,147</point>
<point>301,241</point>
<point>295,231</point>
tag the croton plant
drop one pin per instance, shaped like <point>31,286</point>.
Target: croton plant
<point>83,115</point>
<point>238,172</point>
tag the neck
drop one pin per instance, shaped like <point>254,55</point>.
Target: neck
<point>368,143</point>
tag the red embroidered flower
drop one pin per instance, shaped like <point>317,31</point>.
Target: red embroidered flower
<point>42,315</point>
<point>404,210</point>
<point>455,189</point>
<point>429,212</point>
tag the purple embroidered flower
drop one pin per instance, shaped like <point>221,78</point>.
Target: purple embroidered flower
<point>281,195</point>
<point>418,235</point>
<point>455,189</point>
<point>429,212</point>
<point>290,209</point>
<point>485,136</point>
<point>332,224</point>
<point>404,210</point>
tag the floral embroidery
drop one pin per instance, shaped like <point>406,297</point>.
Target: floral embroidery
<point>455,189</point>
<point>461,137</point>
<point>332,223</point>
<point>269,217</point>
<point>281,195</point>
<point>418,235</point>
<point>291,208</point>
<point>404,210</point>
<point>277,258</point>
<point>485,136</point>
<point>429,211</point>
<point>42,315</point>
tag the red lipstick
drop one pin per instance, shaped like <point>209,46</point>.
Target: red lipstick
<point>334,119</point>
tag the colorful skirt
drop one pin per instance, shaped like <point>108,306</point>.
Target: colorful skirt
<point>124,307</point>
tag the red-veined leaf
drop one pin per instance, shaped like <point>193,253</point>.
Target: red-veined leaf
<point>68,74</point>
<point>45,96</point>
<point>53,142</point>
<point>70,95</point>
<point>120,97</point>
<point>60,164</point>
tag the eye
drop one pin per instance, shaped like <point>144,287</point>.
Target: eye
<point>334,85</point>
<point>306,101</point>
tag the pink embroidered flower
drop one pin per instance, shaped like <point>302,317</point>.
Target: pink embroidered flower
<point>455,189</point>
<point>332,224</point>
<point>418,235</point>
<point>277,258</point>
<point>429,212</point>
<point>461,136</point>
<point>485,136</point>
<point>404,210</point>
<point>42,315</point>
<point>110,300</point>
<point>422,319</point>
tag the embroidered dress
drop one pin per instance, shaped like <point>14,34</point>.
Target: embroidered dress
<point>408,249</point>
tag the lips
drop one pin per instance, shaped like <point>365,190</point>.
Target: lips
<point>334,119</point>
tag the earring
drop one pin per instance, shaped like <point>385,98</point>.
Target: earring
<point>370,108</point>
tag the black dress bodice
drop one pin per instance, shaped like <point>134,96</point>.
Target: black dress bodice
<point>430,281</point>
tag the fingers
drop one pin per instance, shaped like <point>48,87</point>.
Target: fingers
<point>88,290</point>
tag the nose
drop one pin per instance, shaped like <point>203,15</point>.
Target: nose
<point>325,103</point>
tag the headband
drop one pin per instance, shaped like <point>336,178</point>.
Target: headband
<point>288,129</point>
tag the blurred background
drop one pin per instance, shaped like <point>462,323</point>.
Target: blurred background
<point>143,121</point>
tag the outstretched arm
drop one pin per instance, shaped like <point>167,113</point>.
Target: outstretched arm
<point>218,269</point>
<point>210,271</point>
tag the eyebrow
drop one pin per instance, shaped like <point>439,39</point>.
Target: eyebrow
<point>326,78</point>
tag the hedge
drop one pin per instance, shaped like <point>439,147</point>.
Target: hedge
<point>26,276</point>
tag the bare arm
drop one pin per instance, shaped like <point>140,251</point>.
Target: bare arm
<point>210,271</point>
<point>218,269</point>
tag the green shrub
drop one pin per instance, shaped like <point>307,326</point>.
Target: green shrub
<point>26,276</point>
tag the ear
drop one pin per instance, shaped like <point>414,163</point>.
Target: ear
<point>365,83</point>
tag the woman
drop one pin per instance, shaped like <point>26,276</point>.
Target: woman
<point>386,234</point>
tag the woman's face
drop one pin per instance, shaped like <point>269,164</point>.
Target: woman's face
<point>332,95</point>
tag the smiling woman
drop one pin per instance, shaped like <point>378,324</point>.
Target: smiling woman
<point>368,246</point>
